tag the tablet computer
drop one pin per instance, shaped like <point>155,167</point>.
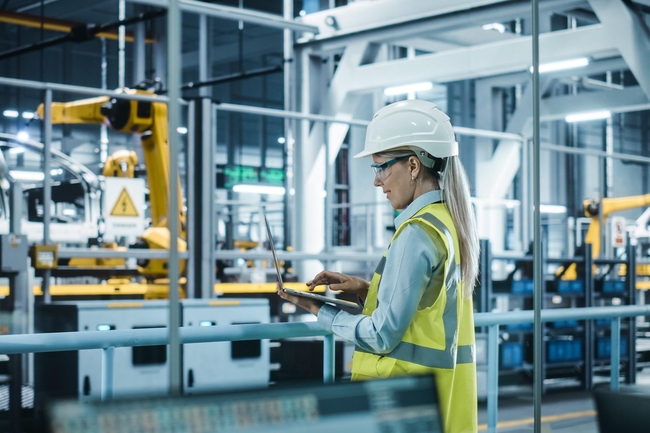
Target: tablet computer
<point>310,295</point>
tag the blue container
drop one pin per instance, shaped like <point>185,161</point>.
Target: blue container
<point>522,287</point>
<point>529,286</point>
<point>577,349</point>
<point>565,287</point>
<point>565,324</point>
<point>563,350</point>
<point>577,286</point>
<point>604,347</point>
<point>613,286</point>
<point>520,327</point>
<point>511,355</point>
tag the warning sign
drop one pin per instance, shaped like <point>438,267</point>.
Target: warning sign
<point>124,206</point>
<point>619,238</point>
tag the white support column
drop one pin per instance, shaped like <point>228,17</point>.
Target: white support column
<point>310,173</point>
<point>139,53</point>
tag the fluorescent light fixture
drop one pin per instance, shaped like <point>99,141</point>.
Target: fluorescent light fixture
<point>10,113</point>
<point>589,115</point>
<point>282,140</point>
<point>207,323</point>
<point>302,13</point>
<point>564,64</point>
<point>259,189</point>
<point>28,115</point>
<point>552,208</point>
<point>401,90</point>
<point>27,175</point>
<point>181,130</point>
<point>56,171</point>
<point>22,136</point>
<point>16,150</point>
<point>494,26</point>
<point>69,212</point>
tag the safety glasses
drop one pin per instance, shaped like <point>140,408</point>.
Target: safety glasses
<point>382,171</point>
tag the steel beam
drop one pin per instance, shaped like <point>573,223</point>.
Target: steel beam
<point>483,60</point>
<point>630,35</point>
<point>235,14</point>
<point>616,101</point>
<point>393,21</point>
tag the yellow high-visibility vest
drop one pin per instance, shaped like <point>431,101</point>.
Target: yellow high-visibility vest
<point>440,338</point>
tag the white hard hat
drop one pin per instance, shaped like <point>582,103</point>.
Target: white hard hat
<point>412,124</point>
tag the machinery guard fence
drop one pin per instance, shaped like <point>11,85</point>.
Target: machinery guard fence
<point>108,341</point>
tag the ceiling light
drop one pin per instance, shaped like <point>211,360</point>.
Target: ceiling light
<point>27,175</point>
<point>400,90</point>
<point>552,208</point>
<point>259,189</point>
<point>494,26</point>
<point>28,115</point>
<point>22,136</point>
<point>56,171</point>
<point>560,66</point>
<point>302,13</point>
<point>181,130</point>
<point>16,150</point>
<point>282,140</point>
<point>10,113</point>
<point>590,115</point>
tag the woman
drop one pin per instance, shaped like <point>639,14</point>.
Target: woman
<point>418,313</point>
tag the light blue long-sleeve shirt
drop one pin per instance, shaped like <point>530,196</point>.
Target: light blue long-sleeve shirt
<point>411,280</point>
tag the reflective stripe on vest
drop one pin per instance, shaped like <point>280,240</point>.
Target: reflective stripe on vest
<point>452,354</point>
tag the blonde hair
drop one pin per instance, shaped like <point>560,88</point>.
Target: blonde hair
<point>454,184</point>
<point>455,192</point>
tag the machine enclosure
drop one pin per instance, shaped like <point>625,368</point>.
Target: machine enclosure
<point>142,371</point>
<point>13,253</point>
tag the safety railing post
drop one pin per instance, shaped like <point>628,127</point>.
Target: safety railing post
<point>493,377</point>
<point>615,353</point>
<point>329,355</point>
<point>108,356</point>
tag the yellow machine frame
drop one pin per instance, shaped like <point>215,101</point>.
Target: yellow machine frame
<point>150,120</point>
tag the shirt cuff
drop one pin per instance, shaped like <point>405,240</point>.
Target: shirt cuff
<point>326,316</point>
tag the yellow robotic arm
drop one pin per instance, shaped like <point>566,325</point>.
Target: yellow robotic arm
<point>593,208</point>
<point>150,120</point>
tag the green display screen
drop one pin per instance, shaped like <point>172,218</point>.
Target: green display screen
<point>228,176</point>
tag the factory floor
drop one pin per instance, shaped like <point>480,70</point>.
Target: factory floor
<point>564,408</point>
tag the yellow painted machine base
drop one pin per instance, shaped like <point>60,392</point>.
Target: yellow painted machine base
<point>154,291</point>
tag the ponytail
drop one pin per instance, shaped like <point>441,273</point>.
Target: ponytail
<point>455,190</point>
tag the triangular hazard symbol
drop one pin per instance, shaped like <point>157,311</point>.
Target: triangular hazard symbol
<point>124,206</point>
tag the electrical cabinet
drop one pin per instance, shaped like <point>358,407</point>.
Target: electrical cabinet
<point>143,371</point>
<point>228,364</point>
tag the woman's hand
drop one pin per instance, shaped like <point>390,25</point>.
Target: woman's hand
<point>340,282</point>
<point>308,304</point>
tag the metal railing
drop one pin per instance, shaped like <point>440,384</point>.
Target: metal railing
<point>108,341</point>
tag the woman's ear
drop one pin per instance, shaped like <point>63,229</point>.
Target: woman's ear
<point>414,166</point>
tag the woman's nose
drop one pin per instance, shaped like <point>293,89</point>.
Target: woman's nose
<point>377,181</point>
